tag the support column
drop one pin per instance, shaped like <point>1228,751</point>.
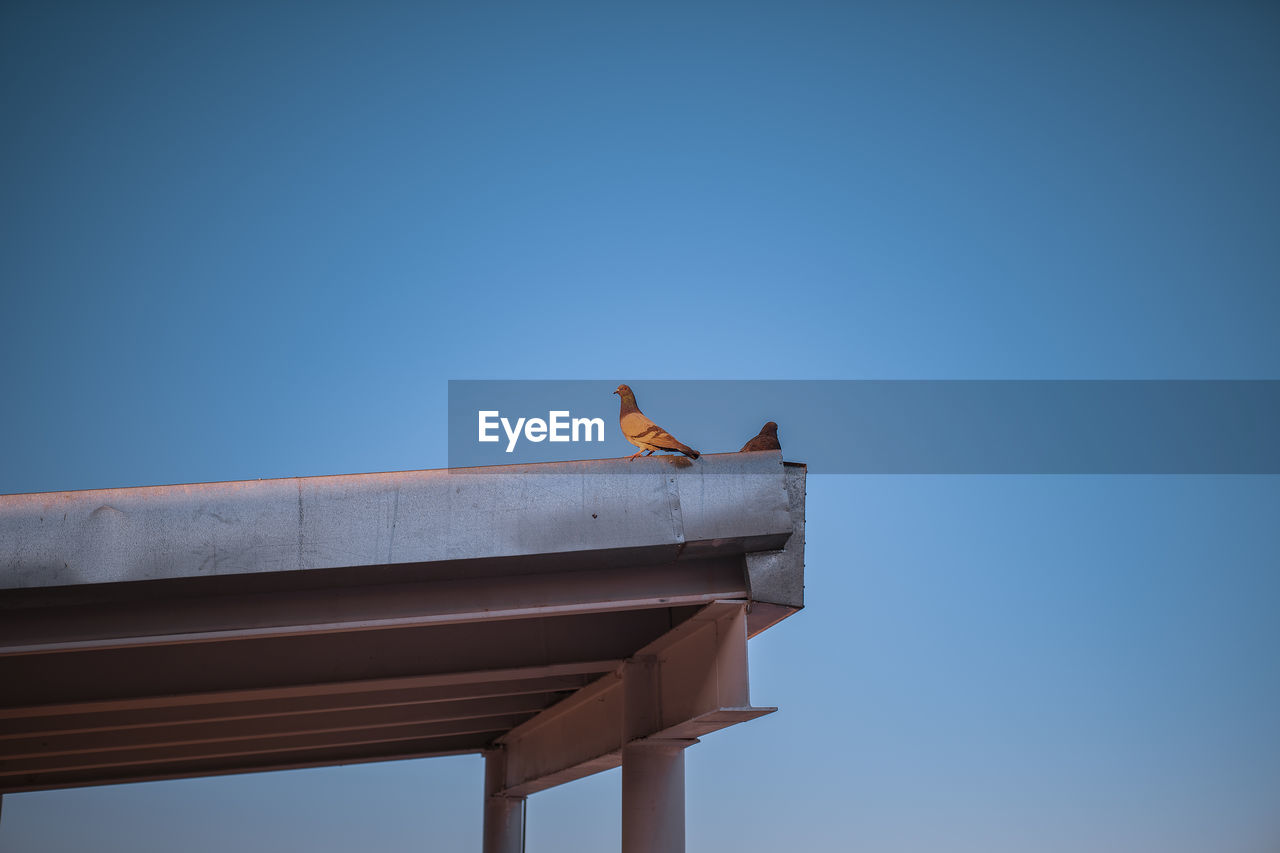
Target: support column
<point>503,816</point>
<point>652,767</point>
<point>653,796</point>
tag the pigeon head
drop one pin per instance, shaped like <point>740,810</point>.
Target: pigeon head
<point>769,429</point>
<point>624,391</point>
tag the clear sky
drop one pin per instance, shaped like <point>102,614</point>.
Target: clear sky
<point>256,240</point>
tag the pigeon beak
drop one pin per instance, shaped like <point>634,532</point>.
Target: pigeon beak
<point>615,392</point>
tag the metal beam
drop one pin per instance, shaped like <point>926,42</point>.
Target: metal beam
<point>246,748</point>
<point>41,721</point>
<point>777,577</point>
<point>127,673</point>
<point>188,619</point>
<point>257,763</point>
<point>503,815</point>
<point>214,732</point>
<point>181,631</point>
<point>700,684</point>
<point>403,518</point>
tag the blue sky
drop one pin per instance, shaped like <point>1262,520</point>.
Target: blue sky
<point>242,242</point>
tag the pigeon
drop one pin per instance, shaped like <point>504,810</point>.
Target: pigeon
<point>644,433</point>
<point>767,439</point>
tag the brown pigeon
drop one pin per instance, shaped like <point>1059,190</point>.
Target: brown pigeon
<point>644,433</point>
<point>767,439</point>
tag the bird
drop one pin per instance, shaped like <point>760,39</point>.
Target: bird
<point>766,439</point>
<point>644,433</point>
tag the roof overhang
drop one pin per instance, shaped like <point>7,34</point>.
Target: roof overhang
<point>176,631</point>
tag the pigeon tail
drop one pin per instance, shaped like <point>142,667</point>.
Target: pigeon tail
<point>687,451</point>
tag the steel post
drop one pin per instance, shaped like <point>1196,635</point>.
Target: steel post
<point>503,815</point>
<point>653,796</point>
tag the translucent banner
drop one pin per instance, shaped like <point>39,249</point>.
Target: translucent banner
<point>883,427</point>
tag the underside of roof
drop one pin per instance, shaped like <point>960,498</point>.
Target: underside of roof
<point>178,631</point>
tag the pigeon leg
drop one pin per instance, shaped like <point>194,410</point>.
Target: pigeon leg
<point>634,455</point>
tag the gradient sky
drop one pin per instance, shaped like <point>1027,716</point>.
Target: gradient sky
<point>255,240</point>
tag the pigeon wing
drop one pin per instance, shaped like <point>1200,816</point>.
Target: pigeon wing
<point>647,435</point>
<point>761,442</point>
